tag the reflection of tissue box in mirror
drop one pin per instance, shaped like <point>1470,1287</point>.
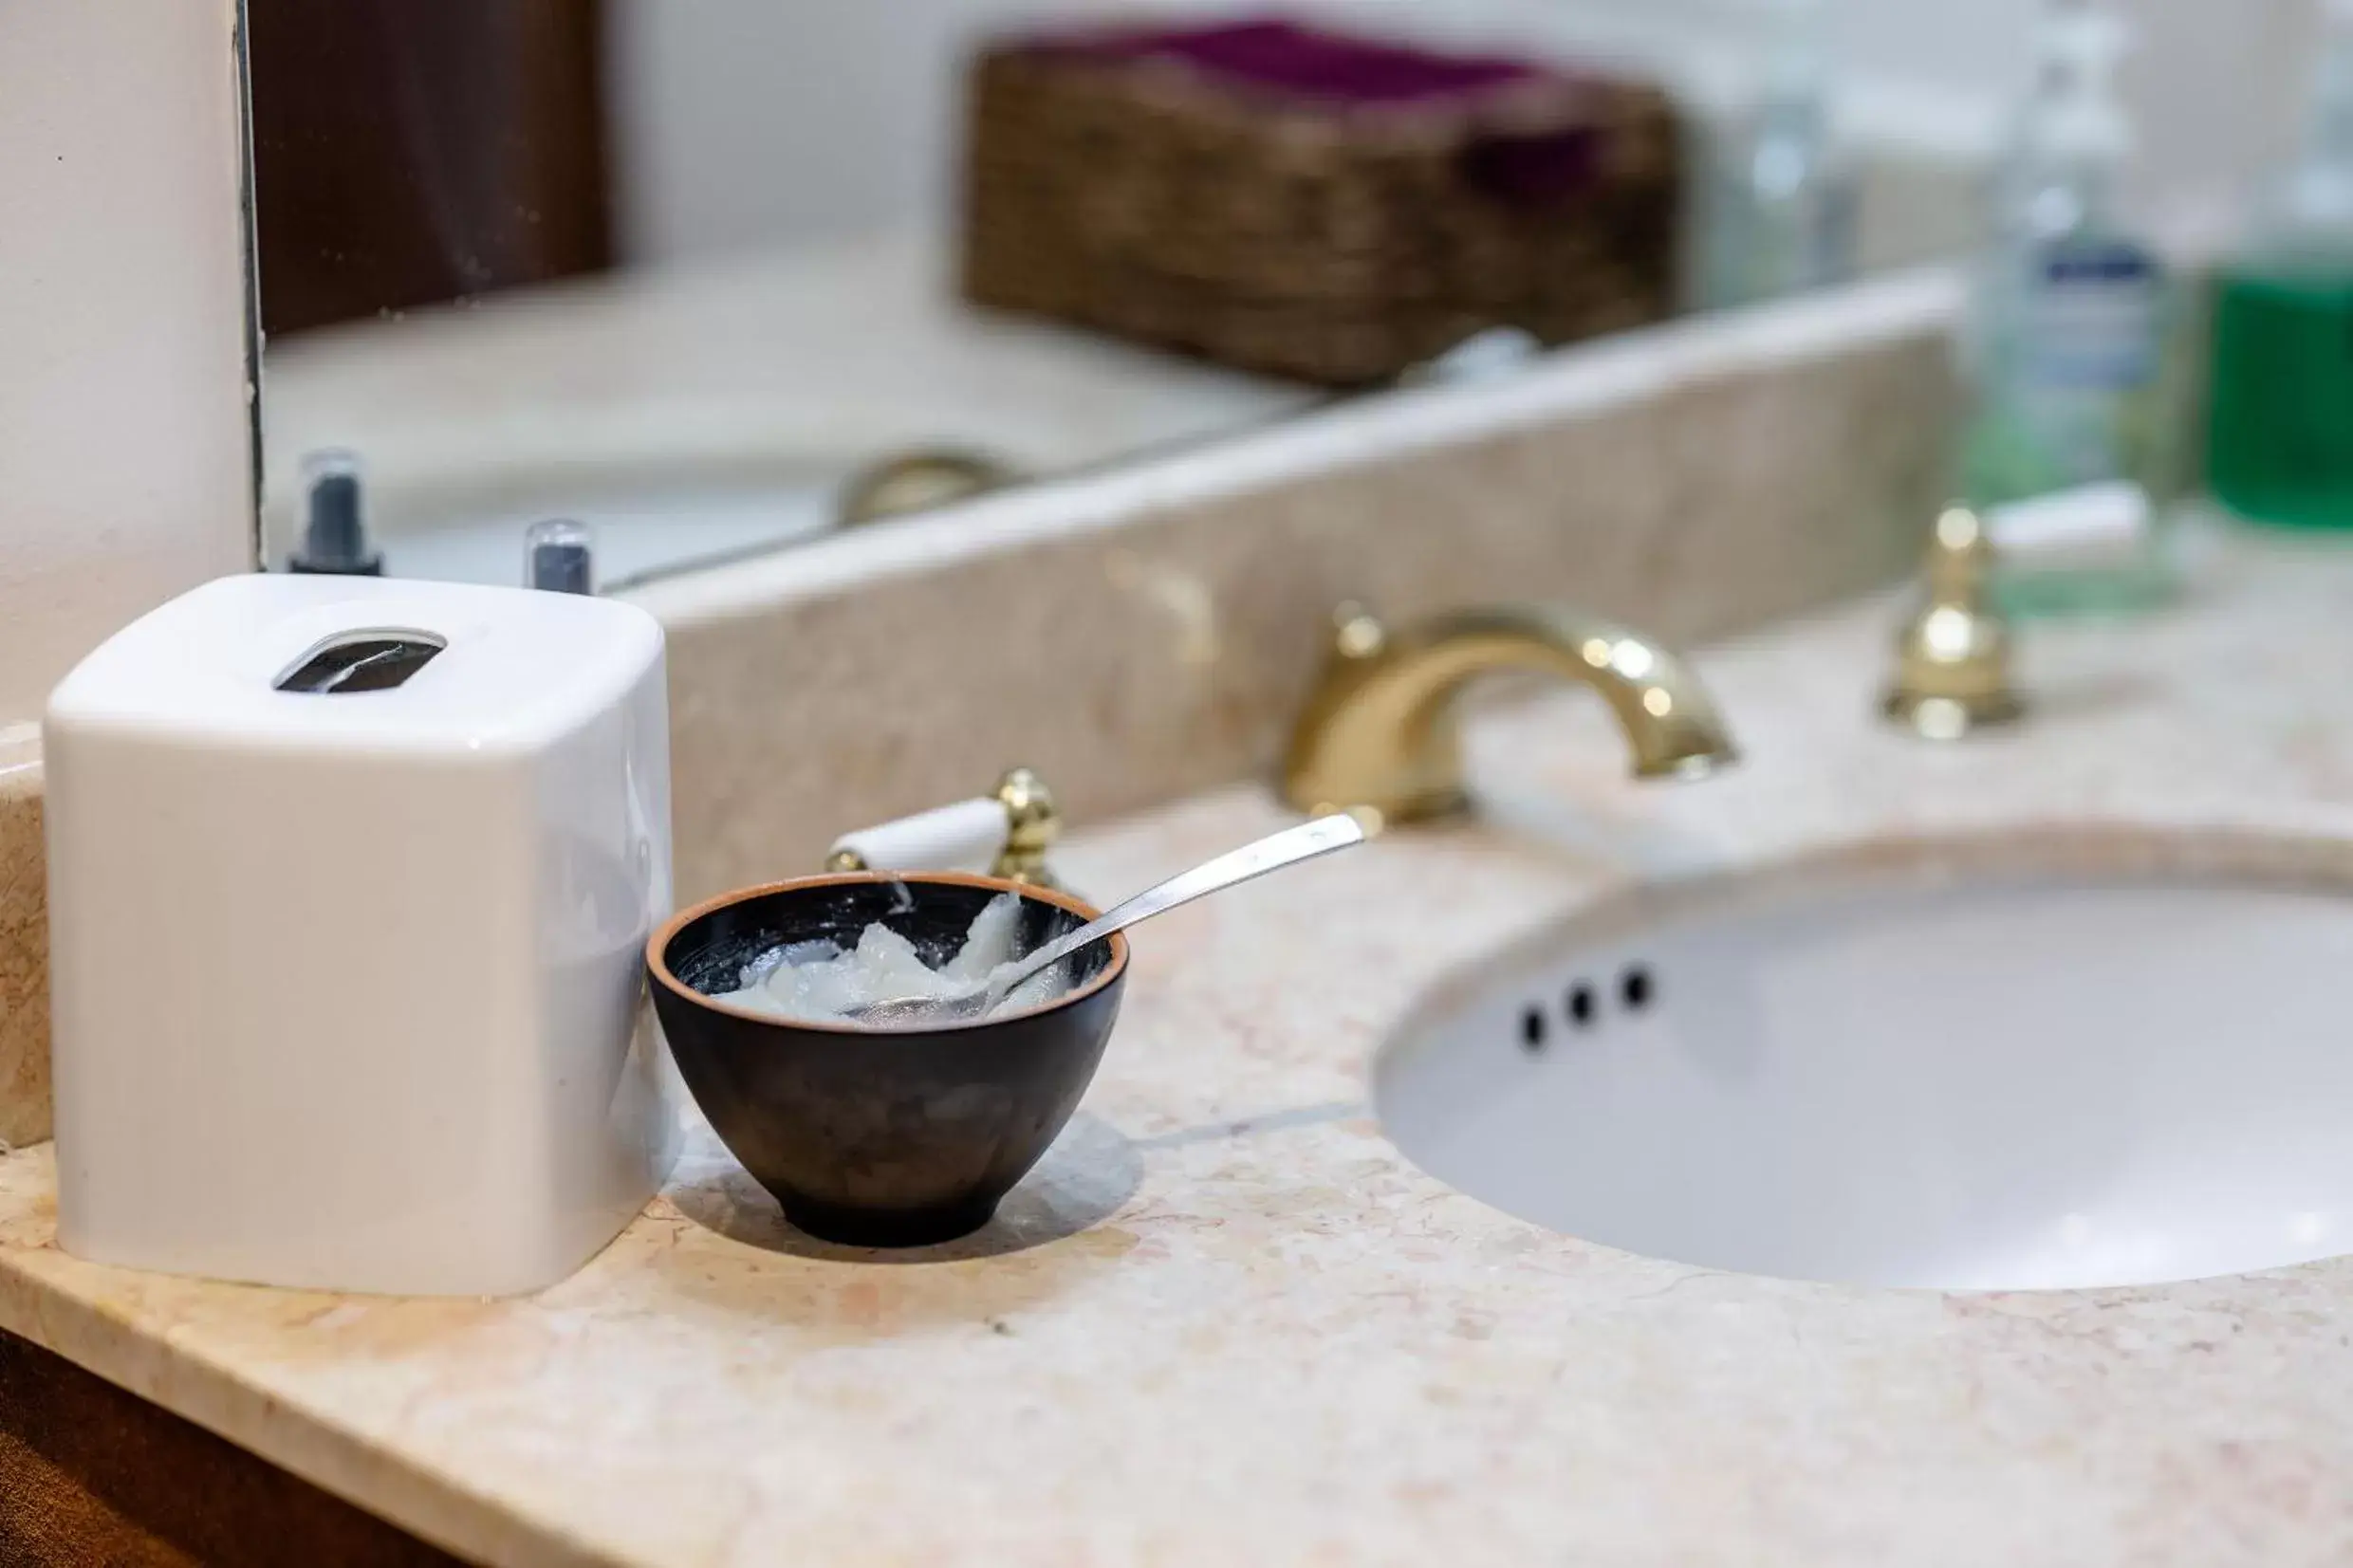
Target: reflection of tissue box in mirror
<point>349,882</point>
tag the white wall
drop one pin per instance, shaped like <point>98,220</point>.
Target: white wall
<point>2219,86</point>
<point>750,121</point>
<point>746,122</point>
<point>125,457</point>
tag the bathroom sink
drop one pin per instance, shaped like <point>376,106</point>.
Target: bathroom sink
<point>1935,1068</point>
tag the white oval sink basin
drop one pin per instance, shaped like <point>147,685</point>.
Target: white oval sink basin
<point>1909,1073</point>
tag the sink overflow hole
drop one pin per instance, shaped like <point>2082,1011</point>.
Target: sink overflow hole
<point>1581,1005</point>
<point>1532,1028</point>
<point>1636,988</point>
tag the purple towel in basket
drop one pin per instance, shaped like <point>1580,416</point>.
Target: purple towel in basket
<point>1312,70</point>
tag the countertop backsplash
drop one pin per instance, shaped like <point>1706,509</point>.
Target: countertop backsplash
<point>1142,634</point>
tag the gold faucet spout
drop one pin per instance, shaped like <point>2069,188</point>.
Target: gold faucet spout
<point>1380,731</point>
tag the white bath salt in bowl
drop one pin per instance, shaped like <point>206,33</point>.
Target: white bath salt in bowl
<point>823,983</point>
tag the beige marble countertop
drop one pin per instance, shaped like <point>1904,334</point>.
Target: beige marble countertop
<point>1226,1323</point>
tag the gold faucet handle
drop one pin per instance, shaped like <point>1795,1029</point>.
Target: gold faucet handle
<point>1960,557</point>
<point>1953,658</point>
<point>1012,829</point>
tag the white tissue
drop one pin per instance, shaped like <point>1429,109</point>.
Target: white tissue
<point>819,983</point>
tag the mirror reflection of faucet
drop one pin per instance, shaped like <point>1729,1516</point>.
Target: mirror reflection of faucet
<point>1380,732</point>
<point>919,480</point>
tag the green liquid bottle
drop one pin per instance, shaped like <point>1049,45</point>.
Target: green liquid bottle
<point>2279,435</point>
<point>2279,445</point>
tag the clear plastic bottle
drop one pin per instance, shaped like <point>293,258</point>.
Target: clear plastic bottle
<point>1778,214</point>
<point>2279,441</point>
<point>2067,338</point>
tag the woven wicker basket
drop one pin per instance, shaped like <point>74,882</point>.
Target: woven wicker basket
<point>1124,184</point>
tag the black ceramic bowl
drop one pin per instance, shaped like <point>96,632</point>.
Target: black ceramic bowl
<point>881,1137</point>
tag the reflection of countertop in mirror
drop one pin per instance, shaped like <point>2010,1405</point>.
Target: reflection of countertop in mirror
<point>697,412</point>
<point>1228,1323</point>
<point>753,383</point>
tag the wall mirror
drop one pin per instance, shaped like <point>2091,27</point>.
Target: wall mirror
<point>712,277</point>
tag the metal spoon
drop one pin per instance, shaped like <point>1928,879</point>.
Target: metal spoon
<point>1272,853</point>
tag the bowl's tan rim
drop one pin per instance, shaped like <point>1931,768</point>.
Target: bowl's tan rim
<point>659,966</point>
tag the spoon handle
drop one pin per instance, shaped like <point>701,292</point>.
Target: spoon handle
<point>1272,853</point>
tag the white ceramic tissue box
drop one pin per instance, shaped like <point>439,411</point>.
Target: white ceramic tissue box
<point>349,882</point>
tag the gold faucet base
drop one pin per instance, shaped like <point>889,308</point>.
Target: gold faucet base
<point>1935,717</point>
<point>1953,658</point>
<point>1032,824</point>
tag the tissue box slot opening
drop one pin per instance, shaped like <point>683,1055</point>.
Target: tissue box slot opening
<point>361,661</point>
